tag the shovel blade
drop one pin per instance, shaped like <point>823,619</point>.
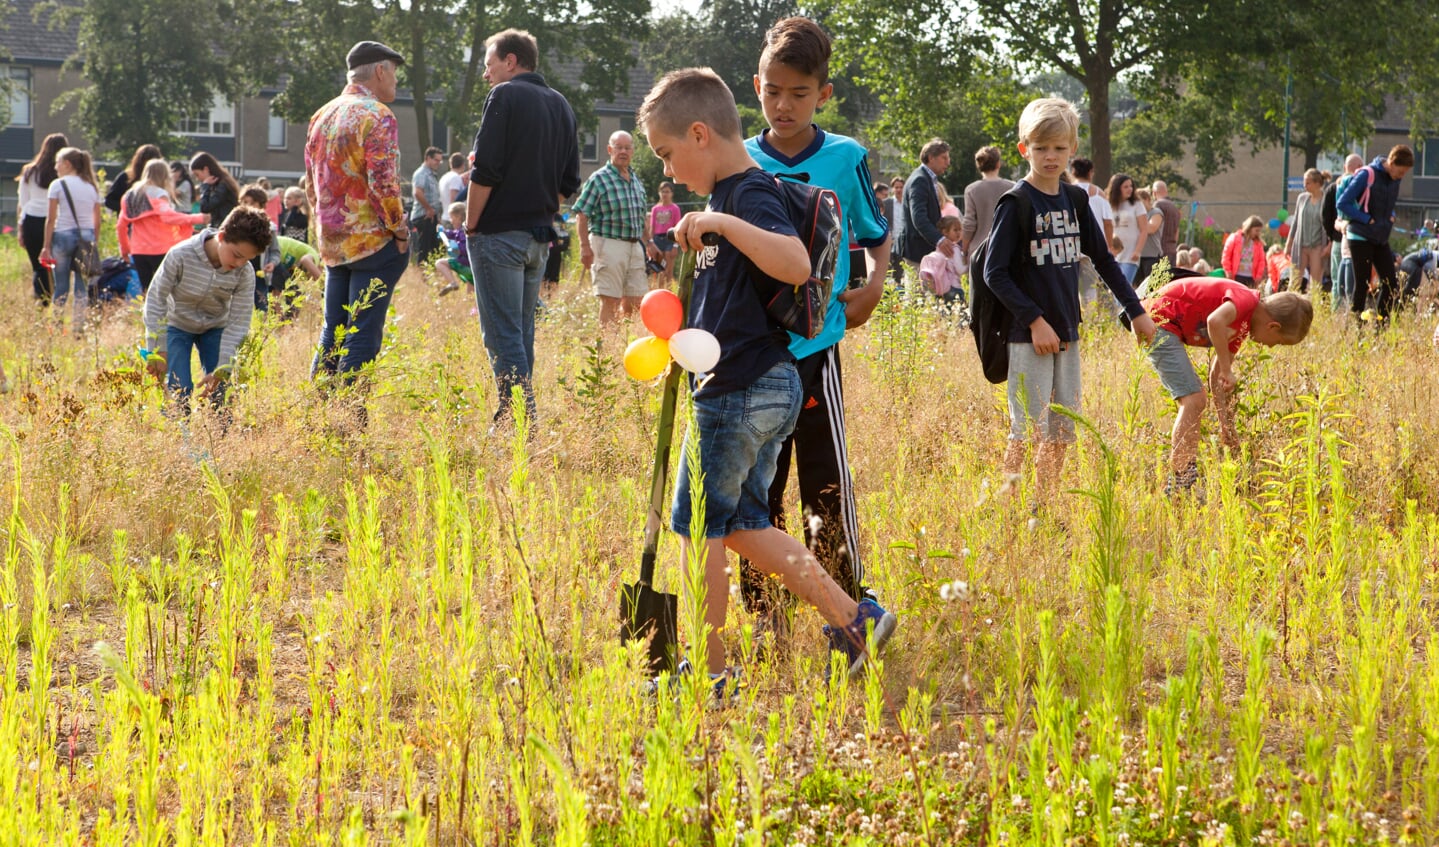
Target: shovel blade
<point>651,615</point>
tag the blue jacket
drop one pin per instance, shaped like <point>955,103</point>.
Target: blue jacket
<point>1375,224</point>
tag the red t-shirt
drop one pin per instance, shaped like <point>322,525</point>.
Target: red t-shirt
<point>1183,307</point>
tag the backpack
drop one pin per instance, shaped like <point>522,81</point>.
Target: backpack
<point>1368,170</point>
<point>815,214</point>
<point>989,319</point>
<point>118,280</point>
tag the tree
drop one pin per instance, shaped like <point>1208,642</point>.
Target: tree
<point>1339,62</point>
<point>932,75</point>
<point>1097,42</point>
<point>596,37</point>
<point>151,63</point>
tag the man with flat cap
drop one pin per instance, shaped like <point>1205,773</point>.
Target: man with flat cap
<point>527,158</point>
<point>352,158</point>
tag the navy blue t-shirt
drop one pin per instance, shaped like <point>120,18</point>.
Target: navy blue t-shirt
<point>1048,286</point>
<point>727,288</point>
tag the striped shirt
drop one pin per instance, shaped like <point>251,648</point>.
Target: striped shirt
<point>615,206</point>
<point>191,294</point>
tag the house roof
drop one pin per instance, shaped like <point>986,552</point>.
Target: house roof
<point>30,41</point>
<point>637,84</point>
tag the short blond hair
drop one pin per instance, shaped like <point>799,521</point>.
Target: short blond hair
<point>686,97</point>
<point>1049,118</point>
<point>1292,311</point>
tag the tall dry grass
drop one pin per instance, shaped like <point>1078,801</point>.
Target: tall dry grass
<point>286,629</point>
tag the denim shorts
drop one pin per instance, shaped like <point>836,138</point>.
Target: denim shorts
<point>1036,382</point>
<point>1171,359</point>
<point>739,434</point>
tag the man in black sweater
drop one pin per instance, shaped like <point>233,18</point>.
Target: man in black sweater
<point>527,160</point>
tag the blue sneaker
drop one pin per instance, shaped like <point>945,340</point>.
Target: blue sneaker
<point>849,641</point>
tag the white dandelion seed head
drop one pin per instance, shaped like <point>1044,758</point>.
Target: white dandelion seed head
<point>1033,522</point>
<point>815,522</point>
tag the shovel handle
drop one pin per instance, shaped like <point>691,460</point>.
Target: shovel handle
<point>665,436</point>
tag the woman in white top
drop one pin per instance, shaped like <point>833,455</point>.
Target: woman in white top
<point>1126,224</point>
<point>34,205</point>
<point>65,228</point>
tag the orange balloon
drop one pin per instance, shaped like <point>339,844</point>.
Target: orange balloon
<point>662,313</point>
<point>647,358</point>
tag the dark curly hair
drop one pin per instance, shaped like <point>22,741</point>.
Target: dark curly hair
<point>248,226</point>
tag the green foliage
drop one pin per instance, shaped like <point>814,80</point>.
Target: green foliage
<point>932,74</point>
<point>147,64</point>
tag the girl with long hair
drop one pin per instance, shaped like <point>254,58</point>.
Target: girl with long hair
<point>1127,227</point>
<point>144,154</point>
<point>34,206</point>
<point>149,223</point>
<point>1243,258</point>
<point>219,192</point>
<point>72,217</point>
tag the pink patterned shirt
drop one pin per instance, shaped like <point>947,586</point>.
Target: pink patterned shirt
<point>352,157</point>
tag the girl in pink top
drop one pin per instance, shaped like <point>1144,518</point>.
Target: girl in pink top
<point>149,225</point>
<point>1243,258</point>
<point>663,217</point>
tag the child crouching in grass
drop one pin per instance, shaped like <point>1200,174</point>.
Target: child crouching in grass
<point>1218,313</point>
<point>749,404</point>
<point>201,299</point>
<point>454,266</point>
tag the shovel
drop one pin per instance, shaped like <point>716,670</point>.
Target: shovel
<point>645,612</point>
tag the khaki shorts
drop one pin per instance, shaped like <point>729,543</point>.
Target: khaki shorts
<point>619,268</point>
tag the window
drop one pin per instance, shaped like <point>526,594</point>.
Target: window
<point>277,130</point>
<point>218,120</point>
<point>19,95</point>
<point>589,147</point>
<point>1428,158</point>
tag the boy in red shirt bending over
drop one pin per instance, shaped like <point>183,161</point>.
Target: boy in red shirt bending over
<point>1218,313</point>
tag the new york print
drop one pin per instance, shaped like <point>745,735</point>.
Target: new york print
<point>1056,239</point>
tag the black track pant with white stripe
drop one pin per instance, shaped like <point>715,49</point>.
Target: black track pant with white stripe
<point>817,446</point>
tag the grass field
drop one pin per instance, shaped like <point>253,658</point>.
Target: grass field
<point>290,631</point>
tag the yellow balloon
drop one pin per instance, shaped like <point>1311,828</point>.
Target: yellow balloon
<point>647,358</point>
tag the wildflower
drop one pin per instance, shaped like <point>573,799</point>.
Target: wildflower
<point>1033,522</point>
<point>956,590</point>
<point>815,522</point>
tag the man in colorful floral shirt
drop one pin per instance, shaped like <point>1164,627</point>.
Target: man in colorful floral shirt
<point>352,158</point>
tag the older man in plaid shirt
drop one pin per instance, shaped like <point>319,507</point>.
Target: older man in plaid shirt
<point>614,229</point>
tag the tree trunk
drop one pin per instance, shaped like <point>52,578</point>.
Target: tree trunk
<point>478,34</point>
<point>1099,137</point>
<point>419,78</point>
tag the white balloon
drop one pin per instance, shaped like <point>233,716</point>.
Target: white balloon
<point>695,349</point>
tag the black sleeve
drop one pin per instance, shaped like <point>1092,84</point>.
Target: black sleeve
<point>1091,233</point>
<point>117,191</point>
<point>1329,213</point>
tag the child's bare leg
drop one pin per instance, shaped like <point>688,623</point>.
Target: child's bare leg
<point>778,553</point>
<point>1185,438</point>
<point>716,598</point>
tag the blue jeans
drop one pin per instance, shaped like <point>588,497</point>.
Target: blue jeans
<point>507,268</point>
<point>357,298</point>
<point>1129,269</point>
<point>740,435</point>
<point>178,344</point>
<point>1344,285</point>
<point>63,244</point>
